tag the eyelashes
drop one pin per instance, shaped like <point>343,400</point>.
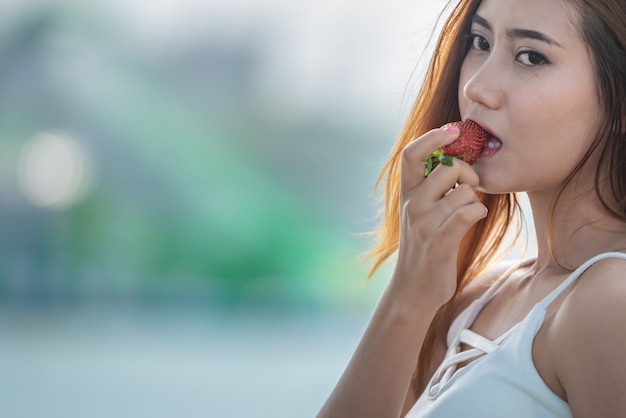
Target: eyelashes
<point>479,42</point>
<point>529,57</point>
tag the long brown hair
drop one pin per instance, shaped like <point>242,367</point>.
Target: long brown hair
<point>601,25</point>
<point>436,104</point>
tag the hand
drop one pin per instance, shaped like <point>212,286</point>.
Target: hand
<point>435,213</point>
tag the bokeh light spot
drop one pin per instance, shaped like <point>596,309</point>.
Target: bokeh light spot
<point>54,170</point>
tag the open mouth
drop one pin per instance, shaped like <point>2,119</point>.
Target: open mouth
<point>491,146</point>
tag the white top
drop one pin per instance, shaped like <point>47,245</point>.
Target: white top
<point>501,379</point>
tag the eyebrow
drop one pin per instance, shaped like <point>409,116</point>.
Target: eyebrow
<point>517,33</point>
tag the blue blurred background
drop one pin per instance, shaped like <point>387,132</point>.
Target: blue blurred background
<point>184,185</point>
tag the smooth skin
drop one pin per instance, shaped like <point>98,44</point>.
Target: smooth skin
<point>537,94</point>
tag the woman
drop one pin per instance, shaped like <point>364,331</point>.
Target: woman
<point>546,337</point>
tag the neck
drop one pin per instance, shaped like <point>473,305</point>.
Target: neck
<point>574,230</point>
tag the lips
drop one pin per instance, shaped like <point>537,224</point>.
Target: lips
<point>491,146</point>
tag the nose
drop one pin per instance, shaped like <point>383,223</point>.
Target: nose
<point>484,84</point>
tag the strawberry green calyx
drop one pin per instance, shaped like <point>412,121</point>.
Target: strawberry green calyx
<point>434,159</point>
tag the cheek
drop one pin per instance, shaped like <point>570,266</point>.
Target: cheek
<point>554,133</point>
<point>567,117</point>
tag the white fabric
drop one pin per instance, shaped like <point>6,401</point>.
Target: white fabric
<point>501,379</point>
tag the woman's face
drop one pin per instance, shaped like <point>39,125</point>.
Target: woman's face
<point>529,80</point>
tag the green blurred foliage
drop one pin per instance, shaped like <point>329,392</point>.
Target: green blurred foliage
<point>202,192</point>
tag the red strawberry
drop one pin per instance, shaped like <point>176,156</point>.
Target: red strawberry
<point>467,146</point>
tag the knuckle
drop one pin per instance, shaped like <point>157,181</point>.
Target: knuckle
<point>467,191</point>
<point>409,152</point>
<point>464,188</point>
<point>463,194</point>
<point>464,215</point>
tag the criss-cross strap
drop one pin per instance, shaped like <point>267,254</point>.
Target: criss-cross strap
<point>479,346</point>
<point>459,333</point>
<point>477,341</point>
<point>457,360</point>
<point>469,314</point>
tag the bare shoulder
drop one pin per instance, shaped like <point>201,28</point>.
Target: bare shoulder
<point>598,296</point>
<point>589,341</point>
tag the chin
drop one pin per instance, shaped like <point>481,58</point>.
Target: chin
<point>494,185</point>
<point>492,180</point>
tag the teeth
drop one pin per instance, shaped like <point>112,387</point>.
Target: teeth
<point>492,143</point>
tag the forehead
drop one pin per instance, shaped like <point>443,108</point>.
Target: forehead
<point>553,17</point>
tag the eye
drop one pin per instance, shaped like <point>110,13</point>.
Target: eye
<point>531,58</point>
<point>479,42</point>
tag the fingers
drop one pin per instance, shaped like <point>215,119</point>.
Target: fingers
<point>444,178</point>
<point>438,209</point>
<point>414,155</point>
<point>446,199</point>
<point>449,217</point>
<point>462,195</point>
<point>459,222</point>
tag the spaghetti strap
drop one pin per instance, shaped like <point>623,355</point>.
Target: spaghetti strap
<point>496,369</point>
<point>577,273</point>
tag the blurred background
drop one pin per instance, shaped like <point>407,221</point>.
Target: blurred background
<point>184,188</point>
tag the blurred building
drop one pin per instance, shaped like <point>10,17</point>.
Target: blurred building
<point>182,188</point>
<point>193,151</point>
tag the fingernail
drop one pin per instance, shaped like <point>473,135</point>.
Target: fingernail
<point>450,129</point>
